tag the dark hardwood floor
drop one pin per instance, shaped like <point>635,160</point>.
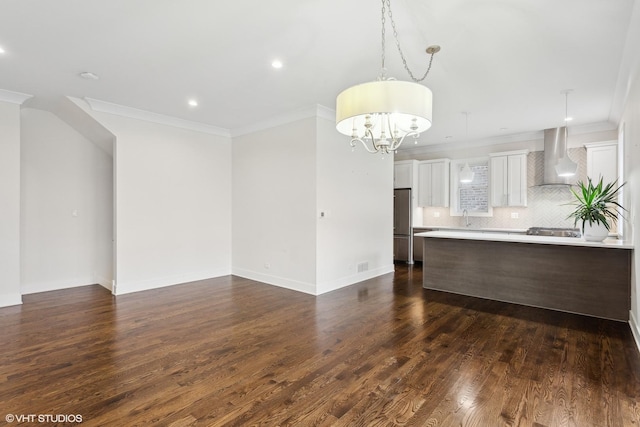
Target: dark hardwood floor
<point>230,351</point>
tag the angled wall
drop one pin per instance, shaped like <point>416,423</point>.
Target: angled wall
<point>67,206</point>
<point>172,203</point>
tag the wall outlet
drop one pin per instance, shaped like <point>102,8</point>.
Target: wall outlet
<point>436,214</point>
<point>267,265</point>
<point>515,215</point>
<point>363,266</point>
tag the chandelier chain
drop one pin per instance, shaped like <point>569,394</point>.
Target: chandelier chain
<point>383,71</point>
<point>395,36</point>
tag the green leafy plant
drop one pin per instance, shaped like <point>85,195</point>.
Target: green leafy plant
<point>596,203</point>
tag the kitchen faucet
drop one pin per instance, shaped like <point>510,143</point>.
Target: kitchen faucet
<point>465,215</point>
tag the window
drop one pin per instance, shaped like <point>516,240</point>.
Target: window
<point>474,196</point>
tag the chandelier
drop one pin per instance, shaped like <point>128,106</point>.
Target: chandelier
<point>382,113</point>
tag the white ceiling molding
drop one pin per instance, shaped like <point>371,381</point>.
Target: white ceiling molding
<point>326,113</point>
<point>290,117</point>
<point>591,128</point>
<point>13,97</point>
<point>134,113</point>
<point>533,140</point>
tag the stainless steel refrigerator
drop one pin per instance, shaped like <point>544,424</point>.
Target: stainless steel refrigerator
<point>402,230</point>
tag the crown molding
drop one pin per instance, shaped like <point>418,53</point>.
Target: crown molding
<point>592,127</point>
<point>311,111</point>
<point>535,138</point>
<point>134,113</point>
<point>13,97</point>
<point>326,113</point>
<point>484,142</point>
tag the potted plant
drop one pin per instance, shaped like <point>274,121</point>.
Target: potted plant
<point>596,208</point>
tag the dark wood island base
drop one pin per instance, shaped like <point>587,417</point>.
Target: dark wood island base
<point>594,281</point>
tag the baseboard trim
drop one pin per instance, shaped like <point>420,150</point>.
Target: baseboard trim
<point>123,287</point>
<point>282,282</point>
<point>35,288</point>
<point>635,329</point>
<point>310,288</point>
<point>7,300</point>
<point>342,282</point>
<point>105,283</point>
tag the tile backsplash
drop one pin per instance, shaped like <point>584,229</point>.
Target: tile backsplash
<point>546,205</point>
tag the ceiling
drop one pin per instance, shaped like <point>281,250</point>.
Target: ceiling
<point>503,61</point>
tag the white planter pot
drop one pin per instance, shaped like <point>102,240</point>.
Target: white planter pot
<point>594,232</point>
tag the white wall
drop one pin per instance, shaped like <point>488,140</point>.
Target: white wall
<point>64,174</point>
<point>9,204</point>
<point>274,205</point>
<point>173,203</point>
<point>355,189</point>
<point>283,178</point>
<point>630,124</point>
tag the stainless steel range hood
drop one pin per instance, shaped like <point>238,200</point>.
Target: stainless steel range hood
<point>555,147</point>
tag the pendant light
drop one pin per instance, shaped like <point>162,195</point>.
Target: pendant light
<point>381,114</point>
<point>466,174</point>
<point>565,166</point>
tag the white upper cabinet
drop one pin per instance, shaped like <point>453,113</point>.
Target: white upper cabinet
<point>499,181</point>
<point>405,174</point>
<point>509,178</point>
<point>433,178</point>
<point>602,161</point>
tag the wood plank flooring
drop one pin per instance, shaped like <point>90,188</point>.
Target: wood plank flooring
<point>384,352</point>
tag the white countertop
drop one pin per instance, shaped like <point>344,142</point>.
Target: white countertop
<point>469,229</point>
<point>520,238</point>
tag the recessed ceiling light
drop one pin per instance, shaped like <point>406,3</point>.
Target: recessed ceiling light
<point>568,119</point>
<point>192,103</point>
<point>277,64</point>
<point>88,75</point>
<point>1,50</point>
<point>503,129</point>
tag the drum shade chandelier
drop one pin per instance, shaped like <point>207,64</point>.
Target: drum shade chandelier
<point>381,114</point>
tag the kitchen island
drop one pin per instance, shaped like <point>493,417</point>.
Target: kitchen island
<point>559,273</point>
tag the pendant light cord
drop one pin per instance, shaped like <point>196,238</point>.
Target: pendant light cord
<point>466,120</point>
<point>431,50</point>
